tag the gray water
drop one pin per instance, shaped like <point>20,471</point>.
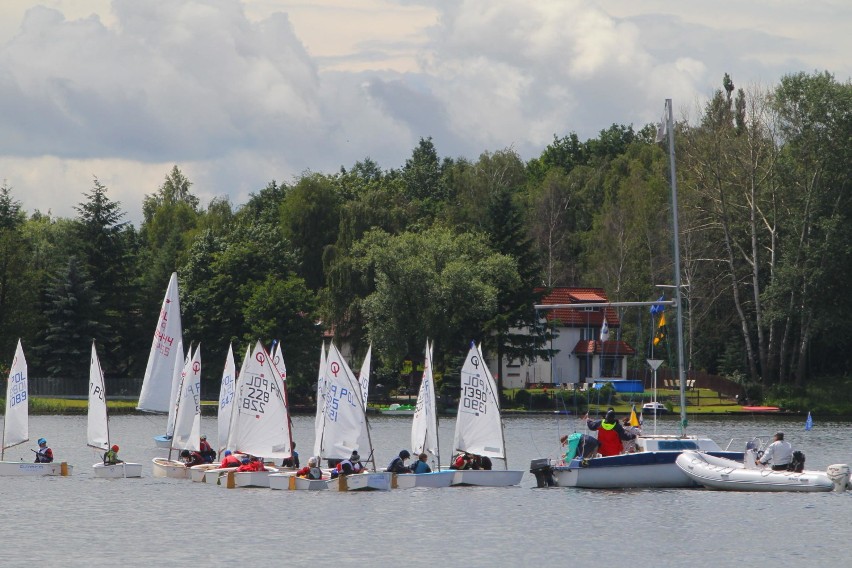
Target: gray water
<point>80,520</point>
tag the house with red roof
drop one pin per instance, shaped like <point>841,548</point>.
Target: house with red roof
<point>580,354</point>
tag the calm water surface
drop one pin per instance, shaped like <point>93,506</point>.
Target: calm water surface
<point>80,520</point>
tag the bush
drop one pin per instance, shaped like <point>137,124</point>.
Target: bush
<point>522,398</point>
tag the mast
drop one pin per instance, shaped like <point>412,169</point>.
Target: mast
<point>681,368</point>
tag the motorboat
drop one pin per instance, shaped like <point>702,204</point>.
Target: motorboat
<point>723,474</point>
<point>655,408</point>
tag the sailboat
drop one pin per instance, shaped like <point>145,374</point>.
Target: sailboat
<point>187,424</point>
<point>653,464</point>
<point>479,428</point>
<point>16,424</point>
<point>227,393</point>
<point>158,386</point>
<point>260,423</point>
<point>97,431</point>
<point>424,435</point>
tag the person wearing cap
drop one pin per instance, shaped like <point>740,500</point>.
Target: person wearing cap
<point>230,460</point>
<point>206,450</point>
<point>610,433</point>
<point>420,466</point>
<point>111,456</point>
<point>397,465</point>
<point>44,454</point>
<point>779,453</point>
<point>191,458</point>
<point>355,460</point>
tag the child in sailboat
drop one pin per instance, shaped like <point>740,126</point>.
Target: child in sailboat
<point>111,456</point>
<point>44,454</point>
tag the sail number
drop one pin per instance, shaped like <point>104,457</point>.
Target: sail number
<point>257,394</point>
<point>337,399</point>
<point>17,389</point>
<point>475,394</point>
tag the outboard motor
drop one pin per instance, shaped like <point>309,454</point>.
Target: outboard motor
<point>543,472</point>
<point>839,474</point>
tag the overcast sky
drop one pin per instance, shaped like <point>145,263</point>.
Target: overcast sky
<point>238,93</point>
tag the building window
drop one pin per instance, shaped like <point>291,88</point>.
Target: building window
<point>611,367</point>
<point>589,333</point>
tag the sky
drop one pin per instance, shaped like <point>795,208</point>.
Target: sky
<point>238,93</point>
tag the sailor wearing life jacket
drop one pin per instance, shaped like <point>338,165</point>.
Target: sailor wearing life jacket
<point>44,454</point>
<point>610,434</point>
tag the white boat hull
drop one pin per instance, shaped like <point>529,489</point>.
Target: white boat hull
<point>433,479</point>
<point>487,477</point>
<point>117,471</point>
<point>615,475</point>
<point>218,476</point>
<point>253,478</point>
<point>288,481</point>
<point>728,475</point>
<point>26,469</point>
<point>169,468</point>
<point>197,472</point>
<point>371,481</point>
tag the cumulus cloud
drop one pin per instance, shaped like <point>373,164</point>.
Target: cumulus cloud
<point>238,93</point>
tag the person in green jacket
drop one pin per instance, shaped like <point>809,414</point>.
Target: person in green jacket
<point>111,456</point>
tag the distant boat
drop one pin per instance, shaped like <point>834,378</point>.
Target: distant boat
<point>397,410</point>
<point>16,424</point>
<point>97,430</point>
<point>654,408</point>
<point>761,409</point>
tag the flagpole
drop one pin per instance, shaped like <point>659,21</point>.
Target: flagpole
<point>678,292</point>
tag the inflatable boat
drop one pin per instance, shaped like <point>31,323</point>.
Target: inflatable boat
<point>727,475</point>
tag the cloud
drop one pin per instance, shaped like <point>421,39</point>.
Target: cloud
<point>240,93</point>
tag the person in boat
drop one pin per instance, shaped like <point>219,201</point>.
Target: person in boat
<point>420,466</point>
<point>252,463</point>
<point>191,458</point>
<point>293,460</point>
<point>111,456</point>
<point>206,450</point>
<point>779,453</point>
<point>579,445</point>
<point>310,471</point>
<point>462,461</point>
<point>355,460</point>
<point>397,464</point>
<point>610,433</point>
<point>629,445</point>
<point>230,460</point>
<point>44,454</point>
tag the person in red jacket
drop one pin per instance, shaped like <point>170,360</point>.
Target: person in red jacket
<point>206,450</point>
<point>191,458</point>
<point>254,464</point>
<point>230,460</point>
<point>610,434</point>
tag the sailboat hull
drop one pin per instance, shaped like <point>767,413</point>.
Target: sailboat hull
<point>434,479</point>
<point>373,481</point>
<point>197,473</point>
<point>168,468</point>
<point>164,442</point>
<point>117,471</point>
<point>487,477</point>
<point>25,469</point>
<point>253,478</point>
<point>289,481</point>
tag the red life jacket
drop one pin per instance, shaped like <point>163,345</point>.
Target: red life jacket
<point>610,442</point>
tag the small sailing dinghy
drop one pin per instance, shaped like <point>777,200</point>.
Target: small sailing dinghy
<point>16,424</point>
<point>97,430</point>
<point>727,475</point>
<point>159,385</point>
<point>479,428</point>
<point>261,421</point>
<point>197,473</point>
<point>424,435</point>
<point>187,426</point>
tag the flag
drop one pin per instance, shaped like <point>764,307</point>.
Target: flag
<point>604,331</point>
<point>809,423</point>
<point>634,420</point>
<point>657,309</point>
<point>661,330</point>
<point>663,126</point>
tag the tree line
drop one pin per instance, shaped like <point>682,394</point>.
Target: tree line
<point>454,250</point>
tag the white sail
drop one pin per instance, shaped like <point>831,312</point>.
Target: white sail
<point>478,426</point>
<point>227,393</point>
<point>177,376</point>
<point>97,429</point>
<point>157,383</point>
<point>424,424</point>
<point>278,362</point>
<point>16,421</point>
<point>343,411</point>
<point>318,420</point>
<point>187,435</point>
<point>262,422</point>
<point>364,382</point>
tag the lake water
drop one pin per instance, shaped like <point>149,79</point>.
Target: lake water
<point>80,520</point>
